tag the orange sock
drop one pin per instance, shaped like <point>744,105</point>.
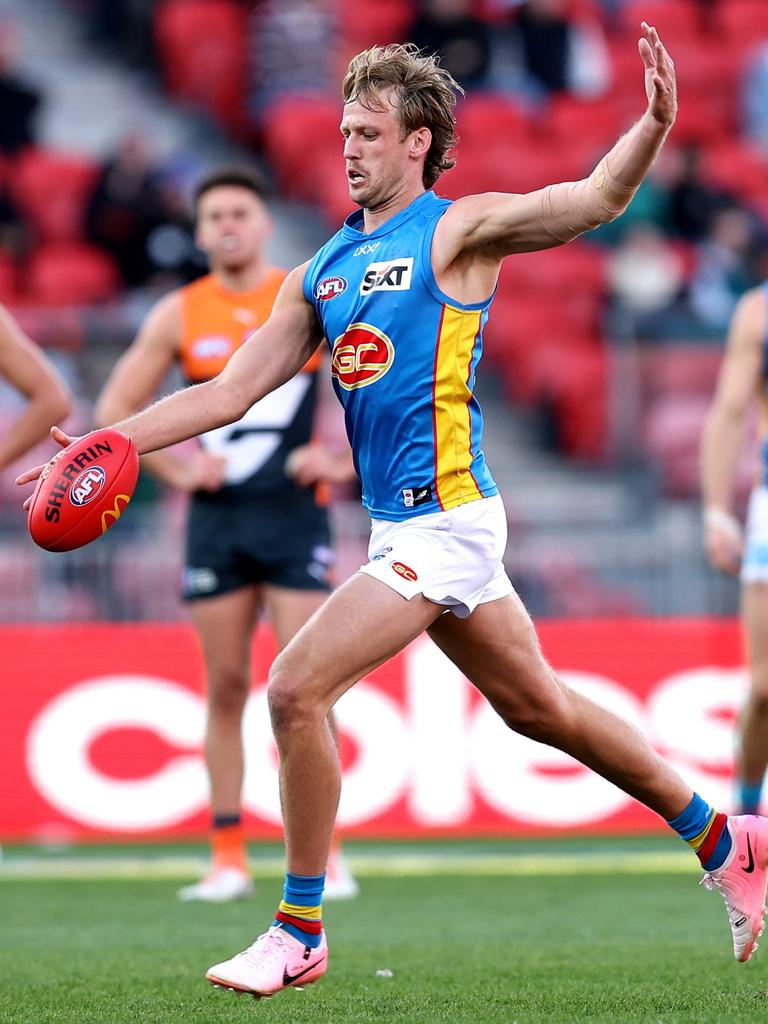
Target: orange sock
<point>228,847</point>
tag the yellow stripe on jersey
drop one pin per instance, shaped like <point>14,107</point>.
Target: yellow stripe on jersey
<point>454,483</point>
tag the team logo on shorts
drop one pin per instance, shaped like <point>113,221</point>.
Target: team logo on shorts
<point>86,486</point>
<point>361,356</point>
<point>405,571</point>
<point>330,287</point>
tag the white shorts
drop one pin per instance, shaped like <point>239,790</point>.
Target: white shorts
<point>754,565</point>
<point>453,558</point>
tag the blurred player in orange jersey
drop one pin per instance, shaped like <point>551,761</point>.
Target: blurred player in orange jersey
<point>258,539</point>
<point>24,366</point>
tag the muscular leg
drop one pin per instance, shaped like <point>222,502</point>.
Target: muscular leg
<point>496,648</point>
<point>753,755</point>
<point>225,624</point>
<point>361,625</point>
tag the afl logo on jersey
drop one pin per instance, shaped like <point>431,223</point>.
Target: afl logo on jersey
<point>211,346</point>
<point>330,287</point>
<point>361,356</point>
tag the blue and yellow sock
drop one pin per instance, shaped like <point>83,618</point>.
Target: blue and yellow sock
<point>300,910</point>
<point>749,796</point>
<point>706,832</point>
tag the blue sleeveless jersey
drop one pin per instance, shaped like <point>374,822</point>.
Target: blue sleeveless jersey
<point>403,362</point>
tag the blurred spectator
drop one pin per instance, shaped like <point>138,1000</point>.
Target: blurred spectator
<point>174,259</point>
<point>754,99</point>
<point>692,202</point>
<point>294,49</point>
<point>649,206</point>
<point>559,53</point>
<point>14,235</point>
<point>722,271</point>
<point>125,26</point>
<point>124,207</point>
<point>646,277</point>
<point>463,41</point>
<point>19,100</point>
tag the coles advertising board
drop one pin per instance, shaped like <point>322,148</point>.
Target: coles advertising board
<point>102,727</point>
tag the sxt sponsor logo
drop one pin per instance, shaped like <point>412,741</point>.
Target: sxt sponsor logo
<point>330,288</point>
<point>391,276</point>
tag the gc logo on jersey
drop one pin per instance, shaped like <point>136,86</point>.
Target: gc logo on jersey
<point>361,356</point>
<point>392,276</point>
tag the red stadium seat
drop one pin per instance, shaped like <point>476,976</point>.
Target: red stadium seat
<point>737,167</point>
<point>367,23</point>
<point>559,271</point>
<point>745,22</point>
<point>51,189</point>
<point>674,19</point>
<point>329,188</point>
<point>297,130</point>
<point>485,118</point>
<point>70,275</point>
<point>476,170</point>
<point>602,121</point>
<point>204,53</point>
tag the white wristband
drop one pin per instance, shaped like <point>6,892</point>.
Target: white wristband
<point>719,519</point>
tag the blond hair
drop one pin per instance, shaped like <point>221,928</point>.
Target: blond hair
<point>426,96</point>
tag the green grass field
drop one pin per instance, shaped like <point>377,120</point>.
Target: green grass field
<point>546,932</point>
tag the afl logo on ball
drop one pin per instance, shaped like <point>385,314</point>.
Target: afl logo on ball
<point>330,288</point>
<point>86,486</point>
<point>361,356</point>
<point>405,571</point>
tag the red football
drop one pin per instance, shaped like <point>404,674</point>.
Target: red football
<point>83,490</point>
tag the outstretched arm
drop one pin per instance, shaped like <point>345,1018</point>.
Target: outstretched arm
<point>498,224</point>
<point>26,369</point>
<point>725,427</point>
<point>134,381</point>
<point>270,357</point>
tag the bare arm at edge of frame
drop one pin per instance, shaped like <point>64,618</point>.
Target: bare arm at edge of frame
<point>134,381</point>
<point>271,356</point>
<point>26,369</point>
<point>725,427</point>
<point>494,225</point>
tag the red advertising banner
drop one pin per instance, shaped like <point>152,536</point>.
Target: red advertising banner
<point>102,728</point>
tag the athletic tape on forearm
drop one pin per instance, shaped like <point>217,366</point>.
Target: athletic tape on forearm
<point>570,208</point>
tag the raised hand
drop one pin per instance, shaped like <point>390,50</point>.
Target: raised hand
<point>660,83</point>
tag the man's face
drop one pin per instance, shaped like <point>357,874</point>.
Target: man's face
<point>378,157</point>
<point>232,226</point>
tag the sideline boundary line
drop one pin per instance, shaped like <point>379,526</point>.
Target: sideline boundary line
<point>395,865</point>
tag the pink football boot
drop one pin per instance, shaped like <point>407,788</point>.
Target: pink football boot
<point>742,881</point>
<point>275,961</point>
